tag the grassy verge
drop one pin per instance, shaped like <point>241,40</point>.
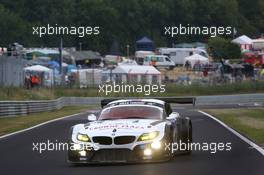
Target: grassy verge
<point>171,90</point>
<point>11,124</point>
<point>249,122</point>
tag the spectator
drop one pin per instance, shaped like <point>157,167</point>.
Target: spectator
<point>187,65</point>
<point>35,81</point>
<point>27,81</point>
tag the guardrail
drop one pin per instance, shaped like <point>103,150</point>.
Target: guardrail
<point>178,100</point>
<point>230,99</point>
<point>14,108</point>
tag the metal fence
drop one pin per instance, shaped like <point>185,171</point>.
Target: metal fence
<point>230,99</point>
<point>14,108</point>
<point>11,71</point>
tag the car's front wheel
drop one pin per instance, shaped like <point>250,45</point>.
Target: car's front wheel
<point>189,151</point>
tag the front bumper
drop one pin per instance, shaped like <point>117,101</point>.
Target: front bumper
<point>119,155</point>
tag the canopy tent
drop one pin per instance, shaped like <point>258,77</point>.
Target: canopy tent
<point>44,50</point>
<point>89,77</point>
<point>37,68</point>
<point>54,64</point>
<point>31,55</point>
<point>136,69</point>
<point>134,74</point>
<point>52,53</point>
<point>45,73</point>
<point>258,44</point>
<point>87,58</point>
<point>71,68</point>
<point>145,44</point>
<point>43,61</point>
<point>196,58</point>
<point>242,40</point>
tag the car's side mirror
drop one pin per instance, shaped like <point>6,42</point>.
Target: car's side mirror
<point>173,116</point>
<point>91,117</point>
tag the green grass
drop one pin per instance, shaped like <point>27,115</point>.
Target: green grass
<point>12,93</point>
<point>17,93</point>
<point>245,87</point>
<point>249,122</point>
<point>11,124</point>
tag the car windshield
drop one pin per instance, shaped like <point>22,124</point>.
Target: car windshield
<point>127,112</point>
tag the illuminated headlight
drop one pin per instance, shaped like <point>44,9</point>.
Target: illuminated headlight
<point>156,145</point>
<point>148,136</point>
<point>147,152</point>
<point>83,137</point>
<point>77,147</point>
<point>82,153</point>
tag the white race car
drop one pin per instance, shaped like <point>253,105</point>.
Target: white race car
<point>138,130</point>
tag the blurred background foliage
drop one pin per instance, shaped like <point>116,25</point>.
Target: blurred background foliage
<point>124,21</point>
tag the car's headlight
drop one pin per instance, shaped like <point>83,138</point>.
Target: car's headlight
<point>148,136</point>
<point>83,137</point>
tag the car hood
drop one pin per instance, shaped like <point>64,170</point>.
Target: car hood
<point>123,127</point>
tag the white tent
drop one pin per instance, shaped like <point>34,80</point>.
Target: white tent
<point>37,68</point>
<point>136,74</point>
<point>89,77</point>
<point>242,40</point>
<point>258,44</point>
<point>42,70</point>
<point>136,69</point>
<point>196,58</point>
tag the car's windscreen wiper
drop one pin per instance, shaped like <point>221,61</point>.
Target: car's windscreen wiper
<point>134,118</point>
<point>123,118</point>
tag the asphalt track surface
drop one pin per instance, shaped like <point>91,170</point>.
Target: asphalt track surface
<point>17,156</point>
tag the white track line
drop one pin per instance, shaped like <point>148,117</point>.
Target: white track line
<point>38,125</point>
<point>252,144</point>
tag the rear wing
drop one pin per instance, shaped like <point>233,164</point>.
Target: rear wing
<point>179,100</point>
<point>176,100</point>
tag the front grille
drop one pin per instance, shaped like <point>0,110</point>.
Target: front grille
<point>120,140</point>
<point>113,155</point>
<point>102,140</point>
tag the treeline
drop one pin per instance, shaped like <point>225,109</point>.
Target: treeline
<point>124,22</point>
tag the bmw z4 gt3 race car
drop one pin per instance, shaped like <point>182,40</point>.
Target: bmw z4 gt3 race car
<point>140,130</point>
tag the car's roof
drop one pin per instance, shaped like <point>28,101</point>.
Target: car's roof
<point>147,102</point>
<point>138,100</point>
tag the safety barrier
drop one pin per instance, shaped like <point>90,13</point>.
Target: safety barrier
<point>15,108</point>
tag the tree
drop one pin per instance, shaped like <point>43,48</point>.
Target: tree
<point>13,28</point>
<point>219,48</point>
<point>125,22</point>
